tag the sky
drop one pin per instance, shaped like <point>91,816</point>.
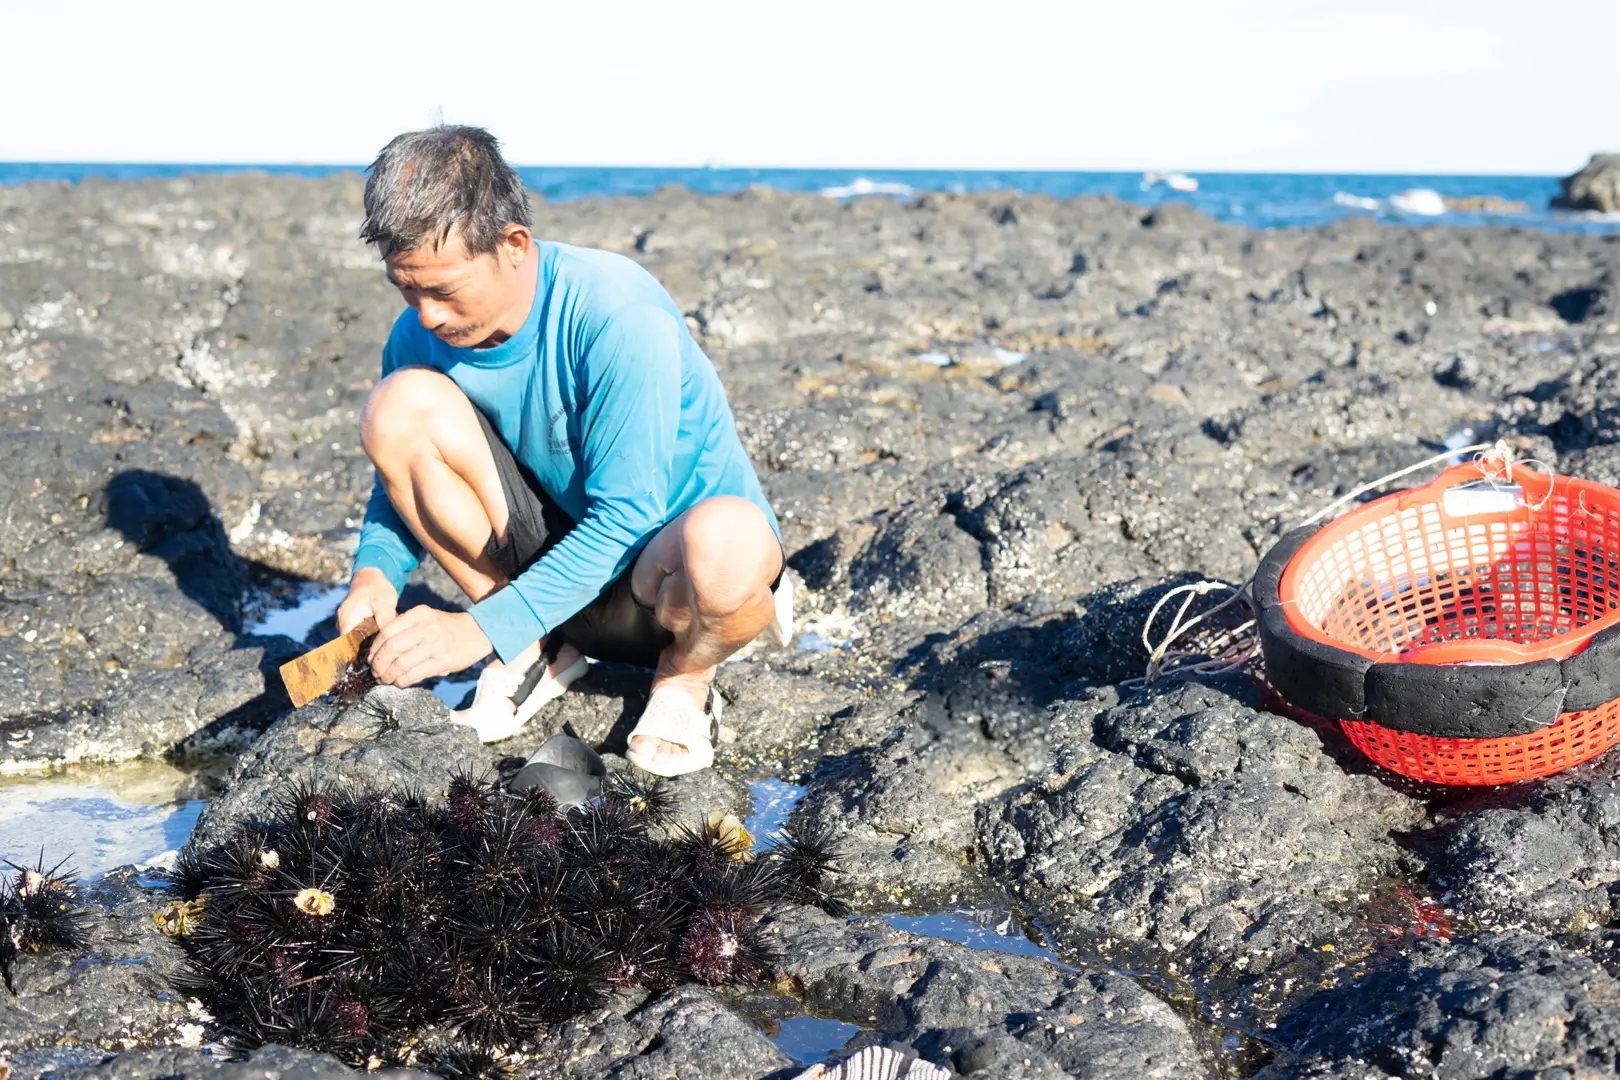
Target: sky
<point>1421,86</point>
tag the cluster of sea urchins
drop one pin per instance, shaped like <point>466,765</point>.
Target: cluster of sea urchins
<point>39,910</point>
<point>382,927</point>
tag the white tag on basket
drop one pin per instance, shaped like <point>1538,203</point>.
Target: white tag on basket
<point>1465,501</point>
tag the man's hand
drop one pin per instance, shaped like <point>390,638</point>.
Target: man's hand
<point>370,593</point>
<point>423,642</point>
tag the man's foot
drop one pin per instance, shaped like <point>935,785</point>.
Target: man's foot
<point>508,695</point>
<point>677,730</point>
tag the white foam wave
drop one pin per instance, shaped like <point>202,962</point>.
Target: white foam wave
<point>862,186</point>
<point>1175,181</point>
<point>1424,202</point>
<point>1358,202</point>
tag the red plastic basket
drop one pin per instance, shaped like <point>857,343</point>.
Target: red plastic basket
<point>1495,575</point>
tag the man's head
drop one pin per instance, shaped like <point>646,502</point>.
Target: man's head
<point>451,221</point>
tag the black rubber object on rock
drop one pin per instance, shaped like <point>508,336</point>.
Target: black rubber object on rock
<point>1465,702</point>
<point>1593,674</point>
<point>567,768</point>
<point>1439,700</point>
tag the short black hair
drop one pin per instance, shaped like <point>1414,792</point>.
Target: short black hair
<point>426,183</point>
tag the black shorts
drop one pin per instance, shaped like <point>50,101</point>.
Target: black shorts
<point>614,626</point>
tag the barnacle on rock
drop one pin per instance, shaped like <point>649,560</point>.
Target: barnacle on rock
<point>180,918</point>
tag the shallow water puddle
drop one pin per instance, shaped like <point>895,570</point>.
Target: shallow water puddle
<point>452,691</point>
<point>774,800</point>
<point>809,1039</point>
<point>991,929</point>
<point>139,815</point>
<point>295,611</point>
<point>825,633</point>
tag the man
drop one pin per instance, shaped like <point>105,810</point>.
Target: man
<point>547,429</point>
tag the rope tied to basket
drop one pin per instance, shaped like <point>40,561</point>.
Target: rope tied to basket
<point>1239,646</point>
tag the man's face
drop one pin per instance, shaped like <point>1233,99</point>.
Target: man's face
<point>460,298</point>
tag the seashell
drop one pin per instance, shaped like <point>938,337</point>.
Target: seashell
<point>877,1063</point>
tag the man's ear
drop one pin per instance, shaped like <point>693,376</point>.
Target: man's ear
<point>515,245</point>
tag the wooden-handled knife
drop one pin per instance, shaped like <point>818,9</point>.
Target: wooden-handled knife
<point>311,675</point>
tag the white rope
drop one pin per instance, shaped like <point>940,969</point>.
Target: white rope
<point>1163,660</point>
<point>1481,449</point>
<point>1496,463</point>
<point>1496,469</point>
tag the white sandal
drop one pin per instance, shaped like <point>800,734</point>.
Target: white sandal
<point>671,716</point>
<point>781,628</point>
<point>501,686</point>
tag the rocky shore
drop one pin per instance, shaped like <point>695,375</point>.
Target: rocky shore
<point>994,428</point>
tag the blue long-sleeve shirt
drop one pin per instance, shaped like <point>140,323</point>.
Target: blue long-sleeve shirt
<point>606,399</point>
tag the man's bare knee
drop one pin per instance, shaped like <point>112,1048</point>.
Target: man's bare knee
<point>398,412</point>
<point>730,554</point>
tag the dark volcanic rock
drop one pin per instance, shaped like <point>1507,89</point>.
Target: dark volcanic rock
<point>112,995</point>
<point>903,812</point>
<point>266,1063</point>
<point>1113,401</point>
<point>1507,1005</point>
<point>685,1032</point>
<point>1595,187</point>
<point>390,738</point>
<point>1187,826</point>
<point>979,1013</point>
<point>1544,854</point>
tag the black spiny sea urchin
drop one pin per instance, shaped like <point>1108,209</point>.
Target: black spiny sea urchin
<point>39,910</point>
<point>378,925</point>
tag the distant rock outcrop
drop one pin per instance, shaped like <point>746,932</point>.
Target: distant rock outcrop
<point>1596,187</point>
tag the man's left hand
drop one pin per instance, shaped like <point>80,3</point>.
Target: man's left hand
<point>424,642</point>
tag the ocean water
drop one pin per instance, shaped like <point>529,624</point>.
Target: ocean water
<point>1258,200</point>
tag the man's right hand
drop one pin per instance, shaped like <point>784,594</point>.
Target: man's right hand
<point>370,593</point>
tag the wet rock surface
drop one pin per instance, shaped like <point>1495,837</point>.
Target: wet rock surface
<point>1186,830</point>
<point>1504,1004</point>
<point>1546,858</point>
<point>265,1063</point>
<point>111,996</point>
<point>996,428</point>
<point>981,1013</point>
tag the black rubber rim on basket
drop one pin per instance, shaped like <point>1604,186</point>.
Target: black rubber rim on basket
<point>1439,700</point>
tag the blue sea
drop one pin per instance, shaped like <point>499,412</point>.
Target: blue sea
<point>1258,200</point>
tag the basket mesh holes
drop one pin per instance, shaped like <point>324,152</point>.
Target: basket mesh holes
<point>1407,579</point>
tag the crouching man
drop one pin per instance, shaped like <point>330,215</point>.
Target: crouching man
<point>547,429</point>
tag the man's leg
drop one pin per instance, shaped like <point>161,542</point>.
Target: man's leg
<point>707,575</point>
<point>423,435</point>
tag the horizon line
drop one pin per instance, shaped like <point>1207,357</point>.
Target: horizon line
<point>730,167</point>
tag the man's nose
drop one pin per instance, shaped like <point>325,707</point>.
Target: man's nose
<point>431,313</point>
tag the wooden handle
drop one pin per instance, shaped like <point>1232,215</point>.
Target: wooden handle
<point>309,676</point>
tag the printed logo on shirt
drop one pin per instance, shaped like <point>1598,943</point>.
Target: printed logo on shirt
<point>557,436</point>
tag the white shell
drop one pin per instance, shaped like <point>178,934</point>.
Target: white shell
<point>876,1063</point>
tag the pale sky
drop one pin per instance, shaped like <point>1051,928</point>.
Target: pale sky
<point>1450,86</point>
